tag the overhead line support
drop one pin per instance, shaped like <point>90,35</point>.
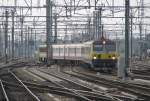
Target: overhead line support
<point>127,30</point>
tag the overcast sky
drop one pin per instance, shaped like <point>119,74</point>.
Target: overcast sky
<point>84,11</point>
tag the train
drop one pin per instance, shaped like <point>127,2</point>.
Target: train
<point>97,55</point>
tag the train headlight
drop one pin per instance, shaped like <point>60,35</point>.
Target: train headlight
<point>113,57</point>
<point>94,57</point>
<point>104,42</point>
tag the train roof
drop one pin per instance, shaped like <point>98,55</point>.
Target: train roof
<point>81,44</point>
<point>100,41</point>
<point>41,46</point>
<point>67,45</point>
<point>89,42</point>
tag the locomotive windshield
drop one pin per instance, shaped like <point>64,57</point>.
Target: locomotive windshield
<point>98,48</point>
<point>111,47</point>
<point>105,48</point>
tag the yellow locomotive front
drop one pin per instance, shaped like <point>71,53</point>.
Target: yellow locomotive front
<point>104,56</point>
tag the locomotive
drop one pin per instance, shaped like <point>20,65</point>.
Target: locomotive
<point>98,55</point>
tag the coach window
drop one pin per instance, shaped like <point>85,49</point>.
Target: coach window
<point>61,51</point>
<point>82,50</point>
<point>57,50</point>
<point>70,51</point>
<point>74,50</point>
<point>66,50</point>
<point>86,50</point>
<point>77,51</point>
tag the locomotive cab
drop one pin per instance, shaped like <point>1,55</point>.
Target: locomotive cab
<point>104,55</point>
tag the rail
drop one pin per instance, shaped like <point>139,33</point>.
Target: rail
<point>4,92</point>
<point>81,95</point>
<point>28,90</point>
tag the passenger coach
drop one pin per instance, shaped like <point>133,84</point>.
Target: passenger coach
<point>98,55</point>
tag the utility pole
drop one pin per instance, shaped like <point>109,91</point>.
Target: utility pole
<point>102,31</point>
<point>131,34</point>
<point>99,23</point>
<point>70,8</point>
<point>17,41</point>
<point>31,42</point>
<point>22,50</point>
<point>26,31</point>
<point>131,40</point>
<point>140,28</point>
<point>113,7</point>
<point>6,37</point>
<point>34,24</point>
<point>55,37</point>
<point>35,40</point>
<point>117,43</point>
<point>1,46</point>
<point>12,13</point>
<point>9,46</point>
<point>89,28</point>
<point>66,32</point>
<point>89,2</point>
<point>96,25</point>
<point>19,45</point>
<point>146,47</point>
<point>95,3</point>
<point>49,30</point>
<point>15,2</point>
<point>93,27</point>
<point>28,41</point>
<point>127,30</point>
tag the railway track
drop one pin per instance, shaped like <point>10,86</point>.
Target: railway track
<point>84,94</point>
<point>122,97</point>
<point>71,88</point>
<point>19,92</point>
<point>140,71</point>
<point>143,93</point>
<point>51,82</point>
<point>48,90</point>
<point>52,89</point>
<point>139,76</point>
<point>140,66</point>
<point>3,95</point>
<point>36,98</point>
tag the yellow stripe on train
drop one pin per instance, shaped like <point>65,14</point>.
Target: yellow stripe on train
<point>103,55</point>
